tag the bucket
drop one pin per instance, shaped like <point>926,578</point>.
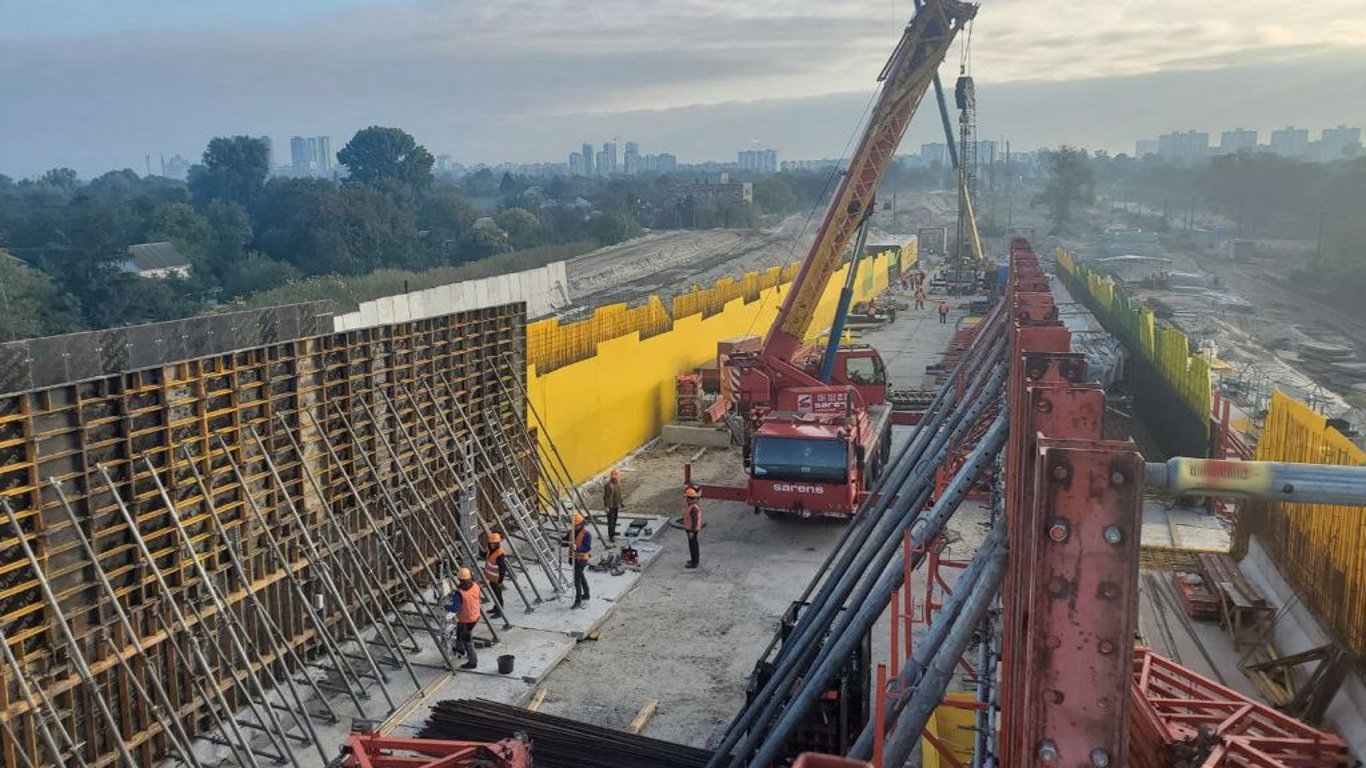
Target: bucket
<point>505,664</point>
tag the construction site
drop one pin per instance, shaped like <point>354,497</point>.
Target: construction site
<point>817,495</point>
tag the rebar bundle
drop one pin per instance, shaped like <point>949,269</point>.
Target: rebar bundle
<point>557,742</point>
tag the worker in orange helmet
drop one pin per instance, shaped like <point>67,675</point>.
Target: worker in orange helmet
<point>464,610</point>
<point>581,548</point>
<point>692,523</point>
<point>611,501</point>
<point>495,570</point>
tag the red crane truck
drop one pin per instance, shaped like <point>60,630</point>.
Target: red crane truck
<point>818,426</point>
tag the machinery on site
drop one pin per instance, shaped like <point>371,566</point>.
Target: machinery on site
<point>816,421</point>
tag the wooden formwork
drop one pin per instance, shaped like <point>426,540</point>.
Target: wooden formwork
<point>167,421</point>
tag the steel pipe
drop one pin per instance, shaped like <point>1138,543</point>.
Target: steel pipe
<point>969,582</point>
<point>929,692</point>
<point>851,626</point>
<point>885,524</point>
<point>1270,480</point>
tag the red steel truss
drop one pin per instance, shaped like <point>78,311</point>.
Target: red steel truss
<point>1180,718</point>
<point>369,750</point>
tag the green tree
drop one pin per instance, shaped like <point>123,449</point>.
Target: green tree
<point>352,229</point>
<point>522,228</point>
<point>377,153</point>
<point>255,272</point>
<point>234,170</point>
<point>1071,182</point>
<point>61,178</point>
<point>481,243</point>
<point>31,305</point>
<point>612,228</point>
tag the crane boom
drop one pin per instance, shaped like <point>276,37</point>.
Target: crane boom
<point>905,79</point>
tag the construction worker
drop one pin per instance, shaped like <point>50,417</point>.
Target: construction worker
<point>496,571</point>
<point>919,297</point>
<point>611,501</point>
<point>581,548</point>
<point>464,609</point>
<point>692,523</point>
<point>944,312</point>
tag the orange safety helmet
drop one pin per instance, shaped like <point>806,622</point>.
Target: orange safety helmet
<point>494,538</point>
<point>689,493</point>
<point>464,574</point>
<point>578,519</point>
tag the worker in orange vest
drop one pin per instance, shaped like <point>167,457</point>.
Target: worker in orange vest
<point>581,548</point>
<point>692,523</point>
<point>919,297</point>
<point>944,312</point>
<point>611,501</point>
<point>495,571</point>
<point>464,610</point>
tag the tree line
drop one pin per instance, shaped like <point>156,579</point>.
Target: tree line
<point>245,232</point>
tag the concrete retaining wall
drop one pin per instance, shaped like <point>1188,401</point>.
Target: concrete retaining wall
<point>543,290</point>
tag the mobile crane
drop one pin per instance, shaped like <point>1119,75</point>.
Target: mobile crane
<point>817,422</point>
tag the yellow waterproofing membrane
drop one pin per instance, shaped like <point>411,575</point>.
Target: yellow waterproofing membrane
<point>604,386</point>
<point>954,727</point>
<point>1320,549</point>
<point>1166,348</point>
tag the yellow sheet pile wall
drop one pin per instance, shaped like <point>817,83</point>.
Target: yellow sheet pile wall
<point>601,395</point>
<point>1166,348</point>
<point>1319,548</point>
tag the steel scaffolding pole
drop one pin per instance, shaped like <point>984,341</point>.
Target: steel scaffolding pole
<point>36,711</point>
<point>64,628</point>
<point>238,636</point>
<point>286,566</point>
<point>163,698</point>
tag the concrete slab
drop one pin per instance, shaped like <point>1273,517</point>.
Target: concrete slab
<point>699,435</point>
<point>1184,528</point>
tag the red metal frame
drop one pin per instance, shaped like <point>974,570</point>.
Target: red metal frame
<point>1179,714</point>
<point>369,750</point>
<point>1070,605</point>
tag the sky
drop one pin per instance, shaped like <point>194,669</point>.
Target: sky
<point>95,85</point>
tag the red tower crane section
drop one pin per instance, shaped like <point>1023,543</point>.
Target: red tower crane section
<point>814,447</point>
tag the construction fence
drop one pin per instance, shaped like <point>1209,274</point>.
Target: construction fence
<point>1170,384</point>
<point>1320,549</point>
<point>604,386</point>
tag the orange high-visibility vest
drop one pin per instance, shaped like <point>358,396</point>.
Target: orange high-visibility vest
<point>469,604</point>
<point>692,517</point>
<point>491,570</point>
<point>579,534</point>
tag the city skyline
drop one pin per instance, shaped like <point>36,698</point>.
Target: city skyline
<point>1338,142</point>
<point>99,88</point>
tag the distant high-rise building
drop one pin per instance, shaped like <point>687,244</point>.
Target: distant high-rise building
<point>758,160</point>
<point>588,166</point>
<point>575,164</point>
<point>609,153</point>
<point>1290,142</point>
<point>934,153</point>
<point>601,162</point>
<point>631,159</point>
<point>324,156</point>
<point>298,154</point>
<point>667,163</point>
<point>270,151</point>
<point>1238,140</point>
<point>1339,143</point>
<point>1183,147</point>
<point>1145,147</point>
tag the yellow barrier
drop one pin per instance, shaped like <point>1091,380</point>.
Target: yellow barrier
<point>602,397</point>
<point>954,728</point>
<point>1320,549</point>
<point>1165,348</point>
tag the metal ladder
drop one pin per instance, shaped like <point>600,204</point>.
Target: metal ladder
<point>536,539</point>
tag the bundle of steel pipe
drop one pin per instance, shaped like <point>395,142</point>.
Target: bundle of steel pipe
<point>853,572</point>
<point>556,742</point>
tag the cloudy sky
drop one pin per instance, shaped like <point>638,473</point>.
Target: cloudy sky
<point>96,84</point>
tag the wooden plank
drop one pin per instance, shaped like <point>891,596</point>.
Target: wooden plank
<point>537,699</point>
<point>642,717</point>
